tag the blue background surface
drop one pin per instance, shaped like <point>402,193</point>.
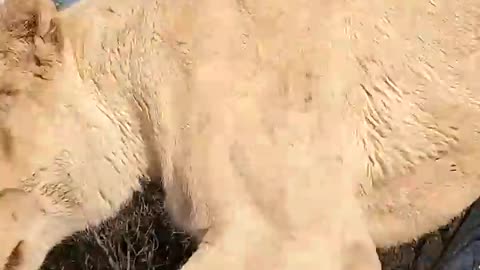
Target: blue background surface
<point>61,4</point>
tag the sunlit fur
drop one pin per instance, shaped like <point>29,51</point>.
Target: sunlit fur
<point>288,134</point>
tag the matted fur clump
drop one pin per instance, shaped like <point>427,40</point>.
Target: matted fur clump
<point>30,49</point>
<point>29,43</point>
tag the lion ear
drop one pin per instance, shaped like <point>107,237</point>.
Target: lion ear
<point>32,19</point>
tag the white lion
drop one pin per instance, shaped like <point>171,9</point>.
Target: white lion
<point>288,134</point>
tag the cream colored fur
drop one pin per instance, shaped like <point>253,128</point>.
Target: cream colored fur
<point>288,134</point>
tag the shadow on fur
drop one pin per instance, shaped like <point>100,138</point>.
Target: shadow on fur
<point>141,237</point>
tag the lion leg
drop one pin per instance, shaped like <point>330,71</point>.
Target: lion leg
<point>359,250</point>
<point>246,242</point>
<point>28,230</point>
<point>253,245</point>
<point>321,238</point>
<point>16,209</point>
<point>44,236</point>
